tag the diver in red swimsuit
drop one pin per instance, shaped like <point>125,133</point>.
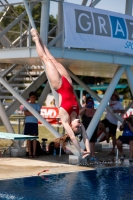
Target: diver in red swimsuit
<point>62,83</point>
<point>69,101</point>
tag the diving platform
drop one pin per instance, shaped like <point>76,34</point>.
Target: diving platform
<point>15,136</point>
<point>80,62</point>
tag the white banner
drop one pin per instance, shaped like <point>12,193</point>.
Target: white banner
<point>86,27</point>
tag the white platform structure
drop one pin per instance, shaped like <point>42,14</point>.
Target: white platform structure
<point>22,71</point>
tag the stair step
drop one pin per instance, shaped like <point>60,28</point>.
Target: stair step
<point>6,91</point>
<point>7,97</point>
<point>6,103</point>
<point>36,67</point>
<point>25,79</point>
<point>20,85</point>
<point>31,73</point>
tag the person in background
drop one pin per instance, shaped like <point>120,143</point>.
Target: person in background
<point>126,138</point>
<point>83,100</point>
<point>31,124</point>
<point>87,113</point>
<point>68,105</point>
<point>52,103</point>
<point>109,124</point>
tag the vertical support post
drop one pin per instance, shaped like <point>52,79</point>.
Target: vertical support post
<point>18,125</point>
<point>94,3</point>
<point>28,38</point>
<point>60,27</point>
<point>21,33</point>
<point>29,14</point>
<point>28,31</point>
<point>7,124</point>
<point>104,101</point>
<point>5,119</point>
<point>128,8</point>
<point>44,94</point>
<point>84,2</point>
<point>128,11</point>
<point>81,95</point>
<point>80,105</point>
<point>129,75</point>
<point>44,20</point>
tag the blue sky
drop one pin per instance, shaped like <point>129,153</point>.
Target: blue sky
<point>112,5</point>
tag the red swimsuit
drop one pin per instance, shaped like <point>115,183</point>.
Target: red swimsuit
<point>69,102</point>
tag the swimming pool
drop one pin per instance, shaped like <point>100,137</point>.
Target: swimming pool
<point>100,184</point>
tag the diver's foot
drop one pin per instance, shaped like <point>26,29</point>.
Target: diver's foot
<point>35,35</point>
<point>86,155</point>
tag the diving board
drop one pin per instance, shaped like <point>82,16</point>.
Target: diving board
<point>14,136</point>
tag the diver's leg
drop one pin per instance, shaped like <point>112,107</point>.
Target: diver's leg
<point>52,73</point>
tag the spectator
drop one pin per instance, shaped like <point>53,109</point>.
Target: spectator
<point>109,124</point>
<point>126,138</point>
<point>52,103</point>
<point>31,124</point>
<point>87,113</point>
<point>83,100</point>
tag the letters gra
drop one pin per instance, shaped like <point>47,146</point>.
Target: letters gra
<point>92,28</point>
<point>103,25</point>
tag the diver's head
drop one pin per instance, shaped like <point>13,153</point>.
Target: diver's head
<point>76,126</point>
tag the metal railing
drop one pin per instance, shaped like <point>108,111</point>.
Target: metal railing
<point>20,38</point>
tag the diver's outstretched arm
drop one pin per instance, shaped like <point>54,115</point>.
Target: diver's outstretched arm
<point>75,142</point>
<point>85,138</point>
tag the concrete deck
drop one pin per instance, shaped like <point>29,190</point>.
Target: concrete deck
<point>15,167</point>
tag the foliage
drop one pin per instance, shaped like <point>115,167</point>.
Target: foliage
<point>36,13</point>
<point>15,11</point>
<point>52,22</point>
<point>99,80</point>
<point>12,14</point>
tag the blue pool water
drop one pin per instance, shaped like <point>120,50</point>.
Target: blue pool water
<point>100,184</point>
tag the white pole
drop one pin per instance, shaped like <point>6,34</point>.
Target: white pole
<point>83,85</point>
<point>128,8</point>
<point>7,124</point>
<point>44,21</point>
<point>5,119</point>
<point>105,100</point>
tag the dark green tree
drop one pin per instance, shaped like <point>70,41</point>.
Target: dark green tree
<point>15,11</point>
